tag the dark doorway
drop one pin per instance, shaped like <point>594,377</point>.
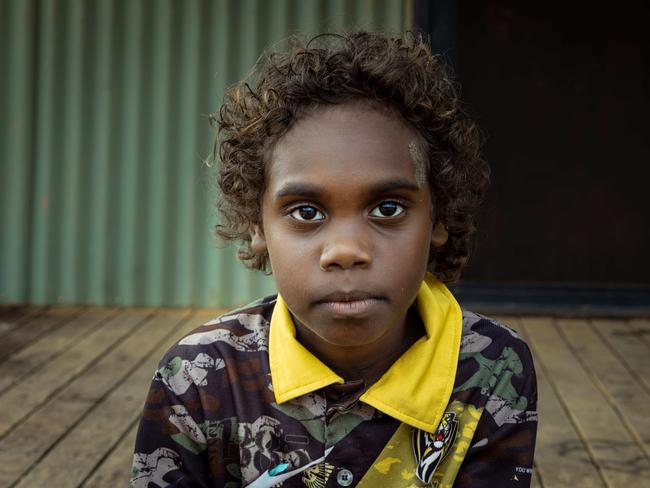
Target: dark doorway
<point>562,94</point>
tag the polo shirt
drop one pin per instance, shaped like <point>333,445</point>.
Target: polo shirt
<point>240,402</point>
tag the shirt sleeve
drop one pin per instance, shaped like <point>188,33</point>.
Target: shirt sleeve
<point>501,453</point>
<point>171,446</point>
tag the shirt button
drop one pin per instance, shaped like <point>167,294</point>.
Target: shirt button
<point>344,477</point>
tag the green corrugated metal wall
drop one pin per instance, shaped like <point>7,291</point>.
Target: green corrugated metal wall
<point>103,104</point>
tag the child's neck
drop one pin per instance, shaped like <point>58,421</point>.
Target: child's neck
<point>368,362</point>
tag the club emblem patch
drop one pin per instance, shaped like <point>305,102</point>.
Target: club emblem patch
<point>317,475</point>
<point>430,449</point>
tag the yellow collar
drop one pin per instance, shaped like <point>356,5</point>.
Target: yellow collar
<point>415,389</point>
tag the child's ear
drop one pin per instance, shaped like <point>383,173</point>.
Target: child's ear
<point>440,235</point>
<point>258,242</point>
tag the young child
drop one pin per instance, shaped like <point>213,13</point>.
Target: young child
<point>348,169</point>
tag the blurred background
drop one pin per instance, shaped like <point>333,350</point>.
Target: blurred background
<point>105,197</point>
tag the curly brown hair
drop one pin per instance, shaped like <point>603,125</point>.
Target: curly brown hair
<point>400,74</point>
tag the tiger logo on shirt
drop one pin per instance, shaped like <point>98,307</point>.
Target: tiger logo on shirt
<point>430,449</point>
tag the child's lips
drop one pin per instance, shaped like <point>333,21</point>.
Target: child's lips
<point>348,304</point>
<point>353,308</point>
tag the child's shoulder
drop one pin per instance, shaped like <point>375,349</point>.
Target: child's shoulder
<point>242,330</point>
<point>495,360</point>
<point>481,332</point>
<point>497,350</point>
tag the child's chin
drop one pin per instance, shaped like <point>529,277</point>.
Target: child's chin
<point>352,335</point>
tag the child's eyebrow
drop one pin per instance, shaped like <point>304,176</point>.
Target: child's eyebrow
<point>393,185</point>
<point>307,190</point>
<point>298,189</point>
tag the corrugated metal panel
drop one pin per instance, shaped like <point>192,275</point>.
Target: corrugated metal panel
<point>17,65</point>
<point>105,198</point>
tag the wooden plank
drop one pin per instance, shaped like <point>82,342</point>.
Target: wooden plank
<point>32,438</point>
<point>9,310</point>
<point>18,403</point>
<point>37,326</point>
<point>78,455</point>
<point>116,468</point>
<point>626,343</point>
<point>13,316</point>
<point>640,328</point>
<point>560,455</point>
<point>536,481</point>
<point>36,355</point>
<point>623,391</point>
<point>608,441</point>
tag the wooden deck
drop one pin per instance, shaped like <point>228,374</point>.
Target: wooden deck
<point>73,381</point>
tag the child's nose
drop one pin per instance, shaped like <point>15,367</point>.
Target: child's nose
<point>345,250</point>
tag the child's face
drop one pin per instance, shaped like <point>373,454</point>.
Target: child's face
<point>346,226</point>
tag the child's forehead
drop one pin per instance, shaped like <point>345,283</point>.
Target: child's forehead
<point>340,141</point>
<point>344,150</point>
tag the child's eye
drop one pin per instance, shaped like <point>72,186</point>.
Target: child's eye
<point>387,209</point>
<point>307,213</point>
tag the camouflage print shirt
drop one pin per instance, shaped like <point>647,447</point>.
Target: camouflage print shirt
<point>212,417</point>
